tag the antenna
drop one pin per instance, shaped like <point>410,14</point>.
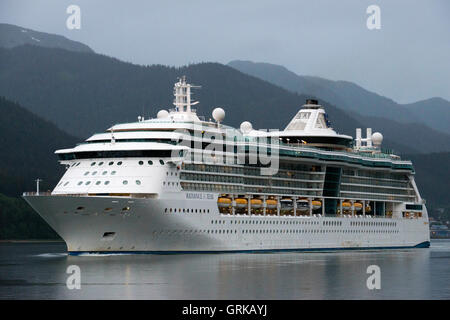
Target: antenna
<point>113,140</point>
<point>37,185</point>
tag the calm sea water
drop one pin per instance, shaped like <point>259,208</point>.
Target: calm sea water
<point>38,271</point>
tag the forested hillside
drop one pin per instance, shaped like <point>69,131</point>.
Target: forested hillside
<point>27,145</point>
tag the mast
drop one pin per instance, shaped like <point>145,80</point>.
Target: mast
<point>182,93</point>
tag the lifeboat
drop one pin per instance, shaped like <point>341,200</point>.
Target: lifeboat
<point>302,205</point>
<point>271,203</point>
<point>346,205</point>
<point>316,204</point>
<point>358,206</point>
<point>286,204</point>
<point>241,202</point>
<point>256,203</point>
<point>224,202</point>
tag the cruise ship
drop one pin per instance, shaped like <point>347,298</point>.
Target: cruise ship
<point>180,183</point>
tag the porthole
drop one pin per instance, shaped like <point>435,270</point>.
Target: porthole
<point>86,173</point>
<point>80,183</point>
<point>92,164</point>
<point>111,163</point>
<point>98,182</point>
<point>119,163</point>
<point>94,173</point>
<point>125,182</point>
<point>138,182</point>
<point>78,164</point>
<point>161,161</point>
<point>87,183</point>
<point>65,184</point>
<point>113,173</point>
<point>104,172</point>
<point>141,163</point>
<point>150,162</point>
<point>106,182</point>
<point>101,163</point>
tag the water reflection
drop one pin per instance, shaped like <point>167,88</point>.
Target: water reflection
<point>38,271</point>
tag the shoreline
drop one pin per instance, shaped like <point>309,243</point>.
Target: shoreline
<point>30,241</point>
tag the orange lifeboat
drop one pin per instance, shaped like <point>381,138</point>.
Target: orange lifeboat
<point>224,202</point>
<point>271,203</point>
<point>256,203</point>
<point>241,202</point>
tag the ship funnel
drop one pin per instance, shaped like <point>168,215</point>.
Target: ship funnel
<point>312,101</point>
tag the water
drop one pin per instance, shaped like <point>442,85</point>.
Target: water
<point>38,271</point>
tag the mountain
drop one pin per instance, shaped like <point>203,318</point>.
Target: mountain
<point>19,221</point>
<point>351,97</point>
<point>434,112</point>
<point>12,36</point>
<point>432,177</point>
<point>86,93</point>
<point>28,144</point>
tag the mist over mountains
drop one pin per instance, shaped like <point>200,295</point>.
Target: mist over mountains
<point>83,93</point>
<point>12,36</point>
<point>348,96</point>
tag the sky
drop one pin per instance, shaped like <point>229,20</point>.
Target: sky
<point>407,59</point>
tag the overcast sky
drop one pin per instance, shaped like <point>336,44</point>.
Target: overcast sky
<point>408,59</point>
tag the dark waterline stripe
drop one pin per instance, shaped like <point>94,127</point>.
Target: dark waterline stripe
<point>425,244</point>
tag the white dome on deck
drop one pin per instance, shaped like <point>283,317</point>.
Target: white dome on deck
<point>377,138</point>
<point>218,114</point>
<point>246,127</point>
<point>162,114</point>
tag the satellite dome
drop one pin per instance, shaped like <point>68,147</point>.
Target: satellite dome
<point>218,114</point>
<point>162,114</point>
<point>246,127</point>
<point>377,138</point>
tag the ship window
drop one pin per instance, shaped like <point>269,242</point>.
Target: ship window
<point>150,162</point>
<point>125,182</point>
<point>88,182</point>
<point>413,207</point>
<point>79,183</point>
<point>113,172</point>
<point>119,163</point>
<point>111,163</point>
<point>141,163</point>
<point>106,182</point>
<point>98,182</point>
<point>65,184</point>
<point>161,161</point>
<point>93,164</point>
<point>138,182</point>
<point>115,154</point>
<point>101,163</point>
<point>94,173</point>
<point>104,172</point>
<point>86,173</point>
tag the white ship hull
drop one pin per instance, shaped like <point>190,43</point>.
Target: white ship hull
<point>146,228</point>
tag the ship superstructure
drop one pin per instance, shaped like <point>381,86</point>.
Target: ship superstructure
<point>177,183</point>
